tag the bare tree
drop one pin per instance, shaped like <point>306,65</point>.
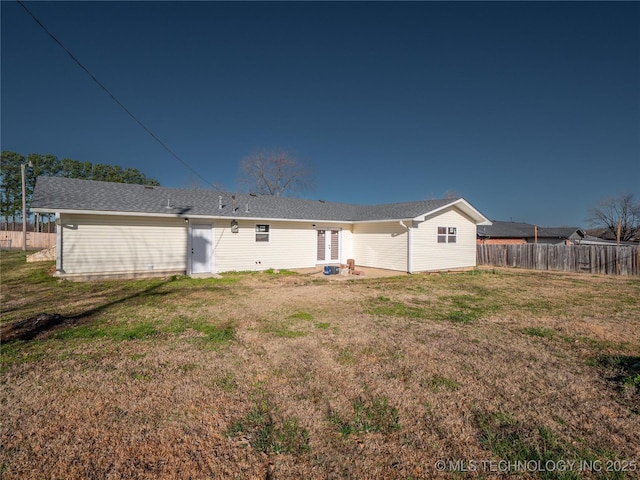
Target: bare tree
<point>192,182</point>
<point>274,172</point>
<point>613,209</point>
<point>451,194</point>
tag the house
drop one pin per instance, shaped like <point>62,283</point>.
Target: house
<point>604,236</point>
<point>113,229</point>
<point>505,233</point>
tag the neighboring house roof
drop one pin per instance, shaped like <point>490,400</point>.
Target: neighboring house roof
<point>591,240</point>
<point>560,232</point>
<point>500,229</point>
<point>59,194</point>
<point>606,234</point>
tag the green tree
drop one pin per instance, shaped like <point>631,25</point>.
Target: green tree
<point>11,185</point>
<point>46,165</point>
<point>75,169</point>
<point>51,166</point>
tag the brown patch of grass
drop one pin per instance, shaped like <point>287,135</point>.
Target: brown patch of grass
<point>235,378</point>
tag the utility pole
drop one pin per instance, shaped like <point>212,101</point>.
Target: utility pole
<point>24,206</point>
<point>4,189</point>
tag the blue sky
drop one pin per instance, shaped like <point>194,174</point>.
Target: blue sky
<point>530,110</point>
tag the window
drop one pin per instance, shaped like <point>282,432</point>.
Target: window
<point>452,234</point>
<point>447,234</point>
<point>262,233</point>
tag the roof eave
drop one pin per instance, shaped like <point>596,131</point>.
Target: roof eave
<point>109,212</point>
<point>462,205</point>
<point>182,215</point>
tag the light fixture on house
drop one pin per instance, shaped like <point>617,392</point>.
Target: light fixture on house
<point>234,226</point>
<point>186,220</point>
<point>313,226</point>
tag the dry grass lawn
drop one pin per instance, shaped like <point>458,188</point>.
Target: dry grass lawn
<point>283,376</point>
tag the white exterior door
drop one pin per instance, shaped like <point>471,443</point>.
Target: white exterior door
<point>201,244</point>
<point>328,245</point>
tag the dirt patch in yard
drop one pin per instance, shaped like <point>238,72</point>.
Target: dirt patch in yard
<point>30,327</point>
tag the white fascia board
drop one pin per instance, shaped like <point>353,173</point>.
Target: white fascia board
<point>44,210</point>
<point>473,212</point>
<point>462,205</point>
<point>293,220</point>
<point>383,220</point>
<point>105,212</point>
<point>176,215</point>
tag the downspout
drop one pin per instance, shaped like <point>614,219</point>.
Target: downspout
<point>59,229</point>
<point>189,246</point>
<point>409,247</point>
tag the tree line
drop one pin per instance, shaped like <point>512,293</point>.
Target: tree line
<point>51,166</point>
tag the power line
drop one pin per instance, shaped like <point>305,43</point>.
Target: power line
<point>113,97</point>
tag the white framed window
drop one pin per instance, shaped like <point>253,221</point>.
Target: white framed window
<point>262,233</point>
<point>447,234</point>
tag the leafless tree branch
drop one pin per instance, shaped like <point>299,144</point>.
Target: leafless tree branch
<point>613,209</point>
<point>274,172</point>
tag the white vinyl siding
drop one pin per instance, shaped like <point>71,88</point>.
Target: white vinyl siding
<point>380,245</point>
<point>104,244</point>
<point>346,243</point>
<point>110,244</point>
<point>97,244</point>
<point>291,245</point>
<point>429,254</point>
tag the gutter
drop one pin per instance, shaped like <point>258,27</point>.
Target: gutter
<point>191,216</point>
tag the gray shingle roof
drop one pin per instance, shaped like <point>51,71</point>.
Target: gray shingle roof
<point>506,230</point>
<point>559,232</point>
<point>57,193</point>
<point>523,230</point>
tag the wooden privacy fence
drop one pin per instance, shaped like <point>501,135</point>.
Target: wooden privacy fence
<point>611,260</point>
<point>35,240</point>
